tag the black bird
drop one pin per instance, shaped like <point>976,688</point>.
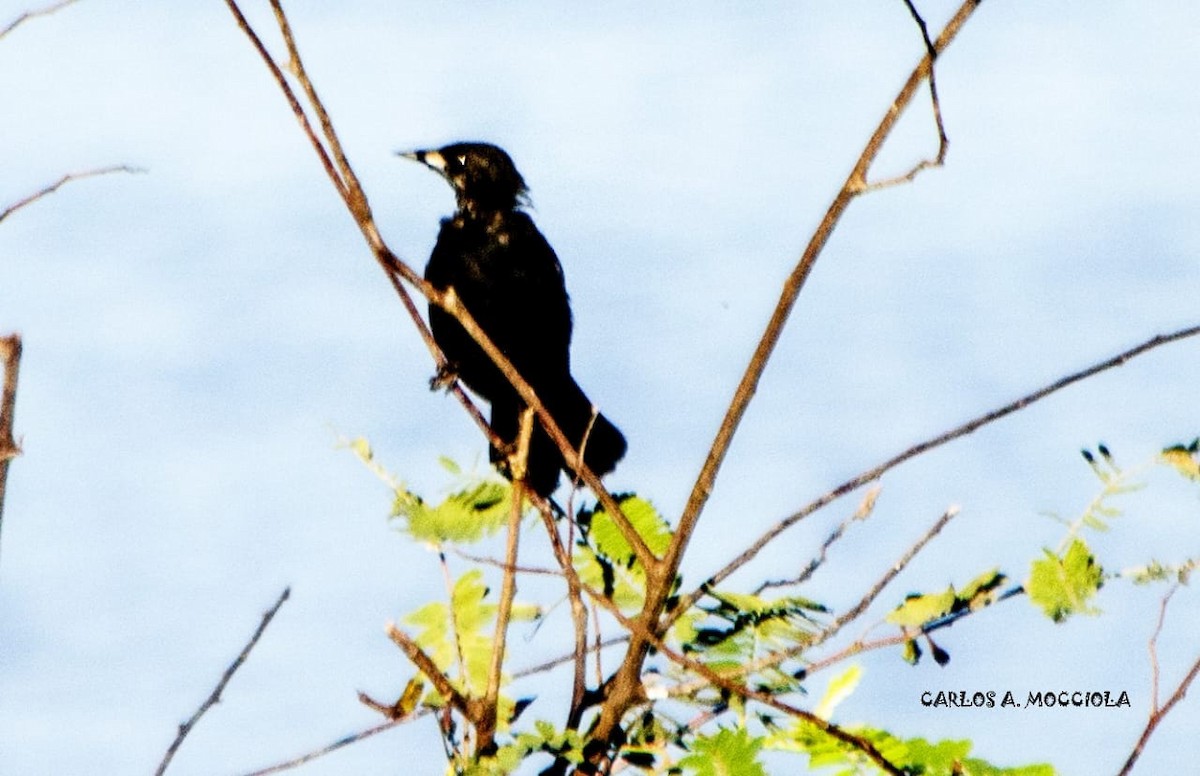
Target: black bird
<point>509,278</point>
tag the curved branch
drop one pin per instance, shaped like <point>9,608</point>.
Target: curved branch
<point>64,180</point>
<point>27,15</point>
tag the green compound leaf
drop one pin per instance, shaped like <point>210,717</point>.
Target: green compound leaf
<point>920,609</point>
<point>728,753</point>
<point>1062,586</point>
<point>467,516</point>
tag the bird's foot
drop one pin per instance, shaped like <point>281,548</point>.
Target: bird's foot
<point>447,375</point>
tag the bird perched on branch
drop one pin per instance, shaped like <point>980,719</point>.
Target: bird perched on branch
<point>509,279</point>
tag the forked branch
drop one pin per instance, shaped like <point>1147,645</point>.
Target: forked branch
<point>659,583</point>
<point>1158,712</point>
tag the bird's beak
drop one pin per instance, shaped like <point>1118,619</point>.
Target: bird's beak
<point>431,159</point>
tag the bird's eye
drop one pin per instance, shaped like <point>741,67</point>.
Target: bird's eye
<point>462,160</point>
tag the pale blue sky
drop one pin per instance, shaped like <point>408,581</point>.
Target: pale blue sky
<point>195,338</point>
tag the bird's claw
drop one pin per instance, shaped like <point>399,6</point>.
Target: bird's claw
<point>446,376</point>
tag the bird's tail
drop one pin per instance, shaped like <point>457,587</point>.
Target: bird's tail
<point>603,443</point>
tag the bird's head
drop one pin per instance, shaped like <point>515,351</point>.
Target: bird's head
<point>483,176</point>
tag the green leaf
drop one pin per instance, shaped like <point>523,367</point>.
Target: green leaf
<point>840,688</point>
<point>913,755</point>
<point>949,758</point>
<point>462,629</point>
<point>606,561</point>
<point>610,542</point>
<point>469,515</point>
<point>1062,586</point>
<point>983,590</point>
<point>920,609</point>
<point>728,753</point>
<point>741,628</point>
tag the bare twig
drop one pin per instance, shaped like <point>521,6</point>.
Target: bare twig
<point>567,658</point>
<point>877,471</point>
<point>458,653</point>
<point>855,611</point>
<point>64,180</point>
<point>10,354</point>
<point>483,560</point>
<point>862,513</point>
<point>468,707</point>
<point>508,588</point>
<point>1156,713</point>
<point>1152,648</point>
<point>344,741</point>
<point>27,15</point>
<point>215,696</point>
<point>936,105</point>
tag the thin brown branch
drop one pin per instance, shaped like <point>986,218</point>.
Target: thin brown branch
<point>27,15</point>
<point>353,194</point>
<point>450,609</point>
<point>575,590</point>
<point>64,180</point>
<point>215,696</point>
<point>468,707</point>
<point>579,621</point>
<point>862,513</point>
<point>553,663</point>
<point>936,105</point>
<point>893,571</point>
<point>920,448</point>
<point>290,96</point>
<point>336,745</point>
<point>10,354</point>
<point>508,589</point>
<point>1157,714</point>
<point>483,560</point>
<point>1152,648</point>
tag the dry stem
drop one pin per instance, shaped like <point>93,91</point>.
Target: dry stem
<point>10,354</point>
<point>215,696</point>
<point>64,180</point>
<point>27,15</point>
